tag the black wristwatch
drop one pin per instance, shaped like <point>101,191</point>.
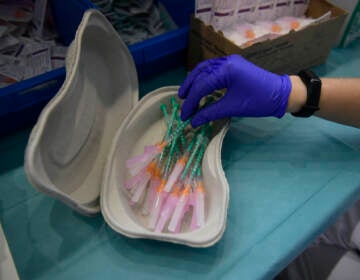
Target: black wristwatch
<point>313,86</point>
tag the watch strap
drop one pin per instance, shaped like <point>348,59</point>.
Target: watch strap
<point>313,86</point>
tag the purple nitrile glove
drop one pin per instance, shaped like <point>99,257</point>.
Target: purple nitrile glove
<point>251,90</point>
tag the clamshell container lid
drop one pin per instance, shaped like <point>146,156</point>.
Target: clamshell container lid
<point>69,145</point>
<point>78,148</point>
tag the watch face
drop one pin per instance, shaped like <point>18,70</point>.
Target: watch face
<point>315,81</point>
<point>316,85</point>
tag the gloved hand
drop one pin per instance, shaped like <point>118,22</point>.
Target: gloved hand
<point>251,90</point>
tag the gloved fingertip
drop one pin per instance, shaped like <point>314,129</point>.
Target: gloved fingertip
<point>183,115</point>
<point>198,120</point>
<point>195,123</point>
<point>181,92</point>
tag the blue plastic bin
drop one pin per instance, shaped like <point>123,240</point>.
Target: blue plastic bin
<point>167,50</point>
<point>21,103</point>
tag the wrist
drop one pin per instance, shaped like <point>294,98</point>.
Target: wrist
<point>298,95</point>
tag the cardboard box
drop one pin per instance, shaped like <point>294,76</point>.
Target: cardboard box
<point>351,28</point>
<point>285,54</point>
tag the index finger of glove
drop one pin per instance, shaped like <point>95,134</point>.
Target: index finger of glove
<point>203,85</point>
<point>205,66</point>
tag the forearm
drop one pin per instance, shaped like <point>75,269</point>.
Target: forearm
<point>339,99</point>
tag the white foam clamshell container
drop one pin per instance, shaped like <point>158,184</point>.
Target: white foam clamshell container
<point>78,147</point>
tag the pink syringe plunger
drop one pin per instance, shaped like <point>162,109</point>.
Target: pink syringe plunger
<point>193,225</point>
<point>137,163</point>
<point>180,208</point>
<point>168,209</point>
<point>175,173</point>
<point>157,205</point>
<point>199,204</point>
<point>136,179</point>
<point>140,188</point>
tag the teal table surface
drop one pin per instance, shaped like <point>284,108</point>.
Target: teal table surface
<point>289,179</point>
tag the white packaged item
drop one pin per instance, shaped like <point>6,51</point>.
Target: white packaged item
<point>8,42</point>
<point>240,33</point>
<point>21,29</point>
<point>283,8</point>
<point>38,19</point>
<point>299,7</point>
<point>203,10</point>
<point>284,25</point>
<point>223,13</point>
<point>8,59</point>
<point>322,18</point>
<point>29,46</point>
<point>79,146</point>
<point>57,62</point>
<point>15,13</point>
<point>287,24</point>
<point>10,28</point>
<point>58,55</point>
<point>3,30</point>
<point>271,28</point>
<point>293,23</point>
<point>265,10</point>
<point>38,63</point>
<point>244,34</point>
<point>6,81</point>
<point>12,71</point>
<point>245,11</point>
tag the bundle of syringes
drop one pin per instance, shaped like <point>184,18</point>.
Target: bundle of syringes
<point>167,178</point>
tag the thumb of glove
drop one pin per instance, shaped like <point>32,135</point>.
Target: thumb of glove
<point>209,113</point>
